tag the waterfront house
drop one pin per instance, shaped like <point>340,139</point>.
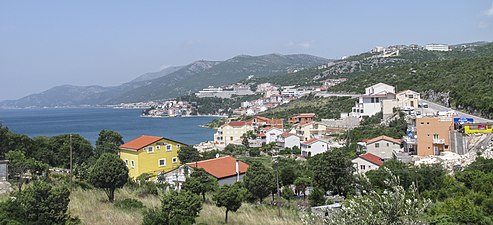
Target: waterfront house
<point>150,154</point>
<point>231,133</point>
<point>366,162</point>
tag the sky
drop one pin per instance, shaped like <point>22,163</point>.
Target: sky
<point>49,43</point>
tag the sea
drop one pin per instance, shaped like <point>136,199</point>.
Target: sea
<point>88,122</point>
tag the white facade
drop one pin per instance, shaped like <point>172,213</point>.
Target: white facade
<point>408,99</point>
<point>363,166</point>
<point>370,103</point>
<point>314,147</point>
<point>272,134</point>
<point>231,133</point>
<point>437,47</point>
<point>288,140</point>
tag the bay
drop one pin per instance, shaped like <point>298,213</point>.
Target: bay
<point>88,122</point>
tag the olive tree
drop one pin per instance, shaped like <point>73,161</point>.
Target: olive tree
<point>109,173</point>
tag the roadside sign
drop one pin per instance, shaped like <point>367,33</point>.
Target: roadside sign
<point>462,120</point>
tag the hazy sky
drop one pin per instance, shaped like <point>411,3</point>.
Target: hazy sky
<point>49,43</point>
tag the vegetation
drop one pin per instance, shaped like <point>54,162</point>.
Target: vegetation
<point>19,165</point>
<point>188,154</point>
<point>109,173</point>
<point>230,197</point>
<point>108,142</point>
<point>217,106</point>
<point>176,208</point>
<point>332,171</point>
<point>40,203</point>
<point>259,181</point>
<point>324,108</point>
<point>200,182</point>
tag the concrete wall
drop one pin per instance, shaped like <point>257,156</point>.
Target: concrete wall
<point>363,166</point>
<point>384,149</point>
<point>229,180</point>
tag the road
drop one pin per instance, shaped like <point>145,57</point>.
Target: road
<point>434,107</point>
<point>327,94</point>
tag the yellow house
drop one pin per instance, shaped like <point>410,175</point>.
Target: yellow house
<point>150,154</point>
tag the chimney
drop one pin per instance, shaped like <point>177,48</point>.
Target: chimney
<point>237,170</point>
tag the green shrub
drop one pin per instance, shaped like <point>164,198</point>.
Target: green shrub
<point>129,203</point>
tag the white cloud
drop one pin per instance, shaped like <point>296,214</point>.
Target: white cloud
<point>489,12</point>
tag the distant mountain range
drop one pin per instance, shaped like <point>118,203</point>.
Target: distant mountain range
<point>171,82</point>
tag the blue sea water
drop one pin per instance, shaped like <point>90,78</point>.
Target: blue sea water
<point>89,121</point>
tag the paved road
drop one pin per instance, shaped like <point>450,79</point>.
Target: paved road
<point>327,94</point>
<point>434,107</point>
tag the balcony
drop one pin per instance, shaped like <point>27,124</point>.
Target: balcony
<point>438,141</point>
<point>409,140</point>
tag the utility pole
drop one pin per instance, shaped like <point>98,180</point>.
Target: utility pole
<point>70,138</point>
<point>277,184</point>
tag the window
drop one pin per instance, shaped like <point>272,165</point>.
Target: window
<point>231,138</point>
<point>174,159</point>
<point>377,145</point>
<point>132,164</point>
<point>388,145</point>
<point>377,100</point>
<point>162,162</point>
<point>150,149</point>
<point>178,145</point>
<point>372,100</point>
<point>158,146</point>
<point>126,162</point>
<point>168,148</point>
<point>362,167</point>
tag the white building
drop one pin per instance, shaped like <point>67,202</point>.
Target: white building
<point>272,134</point>
<point>437,47</point>
<point>288,140</point>
<point>231,133</point>
<point>370,104</point>
<point>314,146</point>
<point>366,162</point>
<point>381,146</point>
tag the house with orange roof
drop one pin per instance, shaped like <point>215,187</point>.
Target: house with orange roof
<point>231,133</point>
<point>288,140</point>
<point>150,154</point>
<point>301,118</point>
<point>314,146</point>
<point>381,146</point>
<point>366,162</point>
<point>227,169</point>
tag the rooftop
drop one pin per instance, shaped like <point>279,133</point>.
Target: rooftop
<point>140,142</point>
<point>372,158</point>
<point>221,167</point>
<point>383,137</point>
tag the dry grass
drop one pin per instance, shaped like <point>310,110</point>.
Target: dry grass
<point>92,207</point>
<point>248,214</point>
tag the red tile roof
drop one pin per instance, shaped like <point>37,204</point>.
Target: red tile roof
<point>261,135</point>
<point>237,123</point>
<point>221,167</point>
<point>286,134</point>
<point>372,158</point>
<point>140,142</point>
<point>311,141</point>
<point>383,137</point>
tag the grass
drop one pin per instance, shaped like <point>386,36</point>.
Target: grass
<point>92,207</point>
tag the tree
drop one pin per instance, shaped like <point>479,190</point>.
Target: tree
<point>188,154</point>
<point>200,182</point>
<point>301,184</point>
<point>229,196</point>
<point>287,193</point>
<point>287,175</point>
<point>109,173</point>
<point>259,181</point>
<point>396,206</point>
<point>39,203</point>
<point>108,142</point>
<point>176,208</point>
<point>332,171</point>
<point>60,145</point>
<point>20,165</point>
<point>246,137</point>
<point>316,197</point>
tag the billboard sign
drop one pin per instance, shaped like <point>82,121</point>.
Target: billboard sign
<point>463,120</point>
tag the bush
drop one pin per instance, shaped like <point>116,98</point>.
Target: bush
<point>129,204</point>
